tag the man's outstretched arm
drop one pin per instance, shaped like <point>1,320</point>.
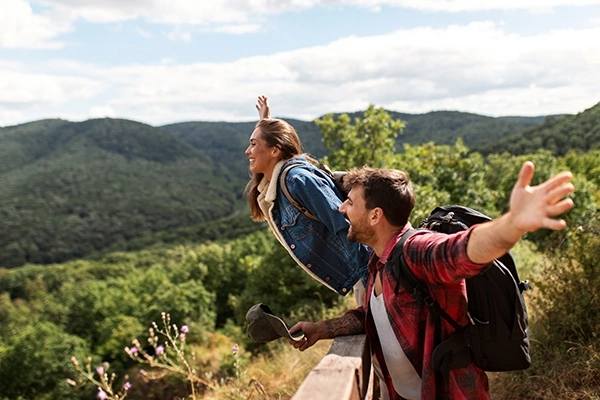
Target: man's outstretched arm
<point>531,208</point>
<point>351,323</point>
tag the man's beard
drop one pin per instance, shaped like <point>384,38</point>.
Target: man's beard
<point>363,234</point>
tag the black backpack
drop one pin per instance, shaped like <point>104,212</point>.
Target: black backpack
<point>496,337</point>
<point>336,176</point>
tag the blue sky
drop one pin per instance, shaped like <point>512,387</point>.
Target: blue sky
<point>164,61</point>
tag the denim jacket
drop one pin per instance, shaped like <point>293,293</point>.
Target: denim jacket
<point>320,247</point>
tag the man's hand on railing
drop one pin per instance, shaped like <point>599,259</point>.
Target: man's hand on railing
<point>313,332</point>
<point>351,323</point>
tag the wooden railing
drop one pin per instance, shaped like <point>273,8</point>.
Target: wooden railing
<point>343,374</point>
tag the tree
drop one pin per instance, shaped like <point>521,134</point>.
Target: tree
<point>443,174</point>
<point>38,361</point>
<point>367,140</point>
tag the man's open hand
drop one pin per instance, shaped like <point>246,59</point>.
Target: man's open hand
<point>535,207</point>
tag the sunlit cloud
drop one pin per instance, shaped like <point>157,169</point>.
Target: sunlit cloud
<point>411,70</point>
<point>468,5</point>
<point>21,27</point>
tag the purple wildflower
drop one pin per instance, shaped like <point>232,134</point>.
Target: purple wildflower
<point>101,395</point>
<point>159,350</point>
<point>100,370</point>
<point>126,386</point>
<point>184,329</point>
<point>235,349</point>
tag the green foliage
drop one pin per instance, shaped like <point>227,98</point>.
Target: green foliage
<point>570,284</point>
<point>73,189</point>
<point>116,332</point>
<point>36,359</point>
<point>367,140</point>
<point>274,278</point>
<point>446,175</point>
<point>104,303</point>
<point>564,323</point>
<point>98,304</point>
<point>585,164</point>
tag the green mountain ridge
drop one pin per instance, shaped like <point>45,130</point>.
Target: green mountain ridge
<point>559,135</point>
<point>75,189</point>
<point>444,127</point>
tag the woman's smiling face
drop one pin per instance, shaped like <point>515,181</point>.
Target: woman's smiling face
<point>262,158</point>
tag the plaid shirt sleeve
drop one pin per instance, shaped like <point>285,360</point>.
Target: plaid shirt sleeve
<point>439,258</point>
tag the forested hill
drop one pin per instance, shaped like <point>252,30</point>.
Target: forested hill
<point>223,142</point>
<point>559,135</point>
<point>477,131</point>
<point>70,189</point>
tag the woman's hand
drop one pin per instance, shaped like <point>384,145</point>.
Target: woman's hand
<point>263,107</point>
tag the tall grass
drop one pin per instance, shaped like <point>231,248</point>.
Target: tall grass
<point>272,377</point>
<point>565,325</point>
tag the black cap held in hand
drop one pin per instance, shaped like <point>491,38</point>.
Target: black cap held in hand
<point>264,327</point>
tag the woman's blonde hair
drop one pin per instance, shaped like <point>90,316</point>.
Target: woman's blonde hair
<point>276,133</point>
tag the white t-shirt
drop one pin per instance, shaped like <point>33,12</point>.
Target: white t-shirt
<point>405,379</point>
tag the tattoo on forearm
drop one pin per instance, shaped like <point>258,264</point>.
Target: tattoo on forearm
<point>348,324</point>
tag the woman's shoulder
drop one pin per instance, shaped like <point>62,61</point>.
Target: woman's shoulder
<point>298,166</point>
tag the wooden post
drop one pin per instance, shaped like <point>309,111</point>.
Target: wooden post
<point>343,374</point>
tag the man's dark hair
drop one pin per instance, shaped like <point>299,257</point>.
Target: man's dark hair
<point>388,189</point>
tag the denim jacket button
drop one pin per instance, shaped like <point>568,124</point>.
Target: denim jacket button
<point>309,266</point>
<point>344,290</point>
<point>282,228</point>
<point>292,246</point>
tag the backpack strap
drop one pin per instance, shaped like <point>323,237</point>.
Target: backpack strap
<point>337,177</point>
<point>288,195</point>
<point>405,278</point>
<point>447,354</point>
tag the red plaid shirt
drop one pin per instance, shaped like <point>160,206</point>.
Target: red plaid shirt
<point>440,261</point>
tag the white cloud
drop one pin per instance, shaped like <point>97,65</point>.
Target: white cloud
<point>469,5</point>
<point>20,27</point>
<point>179,35</point>
<point>239,29</point>
<point>243,11</point>
<point>215,12</point>
<point>478,67</point>
<point>30,89</point>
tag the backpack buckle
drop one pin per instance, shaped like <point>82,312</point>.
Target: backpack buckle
<point>524,285</point>
<point>448,217</point>
<point>428,300</point>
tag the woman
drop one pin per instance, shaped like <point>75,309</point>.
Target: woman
<point>319,245</point>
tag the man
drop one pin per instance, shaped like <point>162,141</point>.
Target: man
<point>401,331</point>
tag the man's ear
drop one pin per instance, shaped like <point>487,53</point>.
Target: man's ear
<point>375,216</point>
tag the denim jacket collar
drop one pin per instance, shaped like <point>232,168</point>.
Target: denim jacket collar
<point>271,185</point>
<point>268,191</point>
